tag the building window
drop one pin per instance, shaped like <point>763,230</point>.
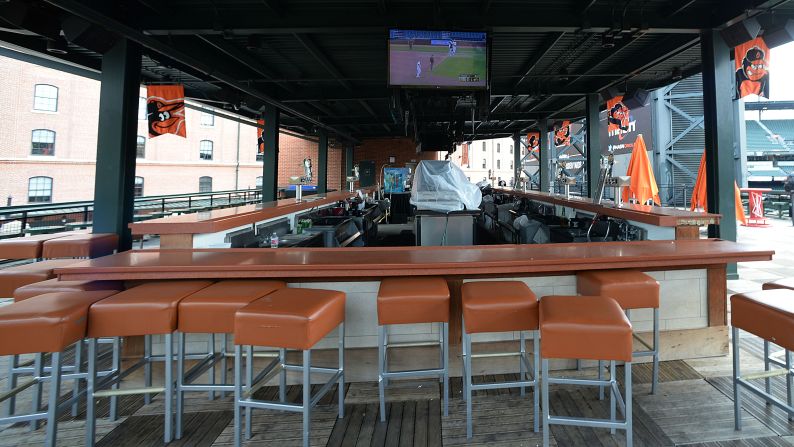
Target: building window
<point>140,147</point>
<point>205,150</point>
<point>138,188</point>
<point>45,98</point>
<point>483,163</point>
<point>141,108</point>
<point>205,184</point>
<point>483,146</point>
<point>42,142</point>
<point>498,148</point>
<point>207,119</point>
<point>40,190</point>
<point>498,162</point>
<point>511,164</point>
<point>259,182</point>
<point>511,149</point>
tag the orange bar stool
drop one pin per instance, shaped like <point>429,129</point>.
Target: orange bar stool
<point>500,306</point>
<point>288,319</point>
<point>768,314</point>
<point>48,324</point>
<point>12,278</point>
<point>81,245</point>
<point>774,358</point>
<point>785,283</point>
<point>412,301</point>
<point>28,247</point>
<point>586,327</point>
<point>632,290</point>
<point>211,311</point>
<point>147,309</point>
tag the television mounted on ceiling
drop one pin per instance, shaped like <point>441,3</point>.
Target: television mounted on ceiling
<point>438,59</point>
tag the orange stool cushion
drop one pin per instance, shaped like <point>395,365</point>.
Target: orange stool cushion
<point>785,283</point>
<point>53,285</point>
<point>211,310</point>
<point>12,278</point>
<point>150,308</point>
<point>584,327</point>
<point>28,247</point>
<point>499,306</point>
<point>630,288</point>
<point>81,245</point>
<point>290,318</point>
<point>49,323</point>
<point>413,300</point>
<point>768,314</point>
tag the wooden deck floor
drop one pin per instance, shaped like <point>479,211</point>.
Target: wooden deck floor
<point>689,409</point>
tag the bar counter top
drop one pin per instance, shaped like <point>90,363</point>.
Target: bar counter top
<point>378,262</point>
<point>652,215</point>
<point>228,218</point>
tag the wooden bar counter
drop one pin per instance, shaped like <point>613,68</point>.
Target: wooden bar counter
<point>179,231</point>
<point>686,223</point>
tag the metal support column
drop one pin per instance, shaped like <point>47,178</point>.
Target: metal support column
<point>718,88</point>
<point>544,156</point>
<point>593,168</point>
<point>516,158</point>
<point>270,157</point>
<point>322,163</point>
<point>116,138</point>
<point>740,143</point>
<point>348,164</point>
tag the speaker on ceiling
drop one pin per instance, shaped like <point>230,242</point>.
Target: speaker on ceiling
<point>610,93</point>
<point>637,98</point>
<point>741,32</point>
<point>777,36</point>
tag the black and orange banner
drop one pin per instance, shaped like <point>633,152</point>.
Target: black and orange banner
<point>618,117</point>
<point>752,68</point>
<point>562,134</point>
<point>165,110</point>
<point>260,139</point>
<point>533,142</point>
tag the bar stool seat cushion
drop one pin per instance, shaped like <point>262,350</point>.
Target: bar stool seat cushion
<point>28,247</point>
<point>12,278</point>
<point>584,327</point>
<point>785,283</point>
<point>499,306</point>
<point>768,314</point>
<point>49,323</point>
<point>632,289</point>
<point>290,318</point>
<point>53,285</point>
<point>211,310</point>
<point>147,309</point>
<point>81,245</point>
<point>413,300</point>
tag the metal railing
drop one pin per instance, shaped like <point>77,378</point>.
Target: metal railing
<point>16,221</point>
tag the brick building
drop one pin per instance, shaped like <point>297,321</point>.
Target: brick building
<point>48,139</point>
<point>487,159</point>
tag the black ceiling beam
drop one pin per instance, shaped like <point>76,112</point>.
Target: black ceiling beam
<point>538,56</point>
<point>586,5</point>
<point>318,54</point>
<point>599,59</point>
<point>92,15</point>
<point>676,7</point>
<point>275,6</point>
<point>46,60</point>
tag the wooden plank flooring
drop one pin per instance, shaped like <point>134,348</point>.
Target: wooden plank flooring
<point>688,410</point>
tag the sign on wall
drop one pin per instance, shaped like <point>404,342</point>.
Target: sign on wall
<point>621,125</point>
<point>533,142</point>
<point>165,110</point>
<point>562,134</point>
<point>260,139</point>
<point>752,68</point>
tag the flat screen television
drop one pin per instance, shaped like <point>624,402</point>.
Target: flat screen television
<point>438,59</point>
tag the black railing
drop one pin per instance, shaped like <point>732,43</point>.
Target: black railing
<point>21,220</point>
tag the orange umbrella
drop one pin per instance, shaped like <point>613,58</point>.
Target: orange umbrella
<point>699,193</point>
<point>643,183</point>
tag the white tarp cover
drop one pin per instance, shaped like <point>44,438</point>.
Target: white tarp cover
<point>440,185</point>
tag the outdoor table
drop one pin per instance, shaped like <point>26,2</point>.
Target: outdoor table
<point>756,205</point>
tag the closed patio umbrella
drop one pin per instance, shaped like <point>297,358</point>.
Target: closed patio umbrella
<point>699,193</point>
<point>643,183</point>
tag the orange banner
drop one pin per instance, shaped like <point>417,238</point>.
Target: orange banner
<point>533,142</point>
<point>464,159</point>
<point>165,110</point>
<point>260,139</point>
<point>752,68</point>
<point>618,117</point>
<point>562,134</point>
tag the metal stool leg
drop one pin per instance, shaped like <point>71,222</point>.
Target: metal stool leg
<point>536,377</point>
<point>11,383</point>
<point>211,369</point>
<point>169,388</point>
<point>180,378</point>
<point>341,383</point>
<point>545,393</point>
<point>737,394</point>
<point>601,377</point>
<point>467,342</point>
<point>249,382</point>
<point>767,380</point>
<point>789,390</point>
<point>522,349</point>
<point>224,371</point>
<point>38,372</point>
<point>445,365</point>
<point>307,396</point>
<point>52,404</point>
<point>612,397</point>
<point>90,405</point>
<point>464,356</point>
<point>282,380</point>
<point>78,368</point>
<point>655,378</point>
<point>147,367</point>
<point>238,393</point>
<point>114,400</point>
<point>381,370</point>
<point>629,417</point>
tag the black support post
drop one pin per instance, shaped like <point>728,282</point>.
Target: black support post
<point>270,159</point>
<point>593,168</point>
<point>348,163</point>
<point>118,127</point>
<point>718,92</point>
<point>322,163</point>
<point>516,158</point>
<point>544,156</point>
